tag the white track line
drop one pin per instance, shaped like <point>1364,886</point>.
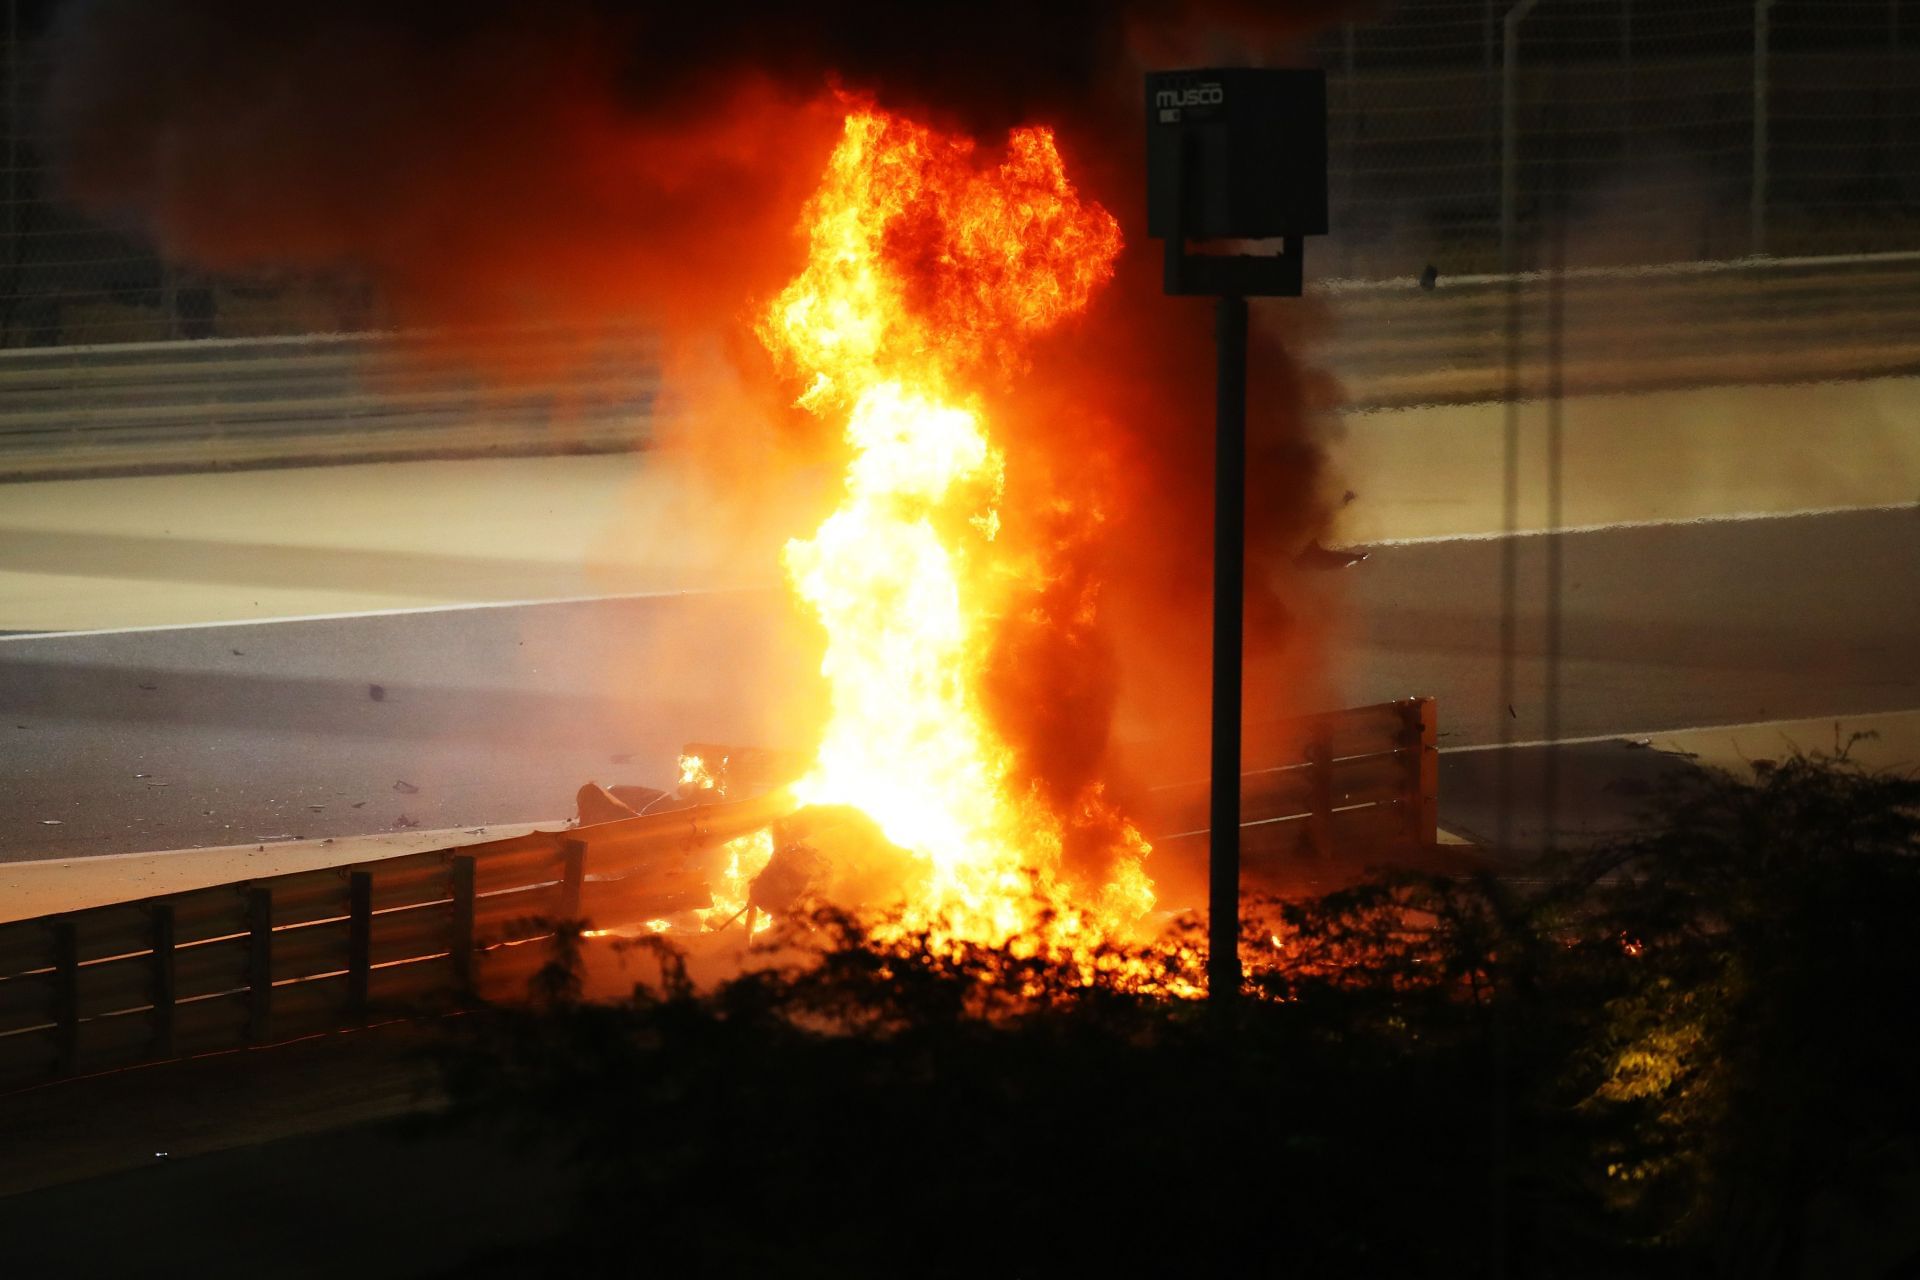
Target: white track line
<point>23,636</point>
<point>1731,517</point>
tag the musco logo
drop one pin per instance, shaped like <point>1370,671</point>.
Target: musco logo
<point>1200,95</point>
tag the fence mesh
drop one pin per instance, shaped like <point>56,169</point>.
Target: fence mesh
<point>67,279</point>
<point>1647,125</point>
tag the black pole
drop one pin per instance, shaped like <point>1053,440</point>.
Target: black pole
<point>1229,587</point>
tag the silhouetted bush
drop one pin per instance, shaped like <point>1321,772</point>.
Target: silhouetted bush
<point>1685,1054</point>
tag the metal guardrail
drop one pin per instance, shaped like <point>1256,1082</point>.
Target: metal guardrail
<point>284,957</point>
<point>369,397</point>
<point>1487,338</point>
<point>213,403</point>
<point>1363,780</point>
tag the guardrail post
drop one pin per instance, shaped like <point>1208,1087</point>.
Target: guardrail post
<point>1320,775</point>
<point>573,863</point>
<point>462,945</point>
<point>259,964</point>
<point>164,990</point>
<point>1420,740</point>
<point>359,943</point>
<point>66,995</point>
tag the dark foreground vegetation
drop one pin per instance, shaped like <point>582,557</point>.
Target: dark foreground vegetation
<point>1687,1054</point>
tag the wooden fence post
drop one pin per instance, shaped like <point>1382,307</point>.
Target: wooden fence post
<point>1320,778</point>
<point>462,944</point>
<point>573,855</point>
<point>259,964</point>
<point>164,991</point>
<point>66,994</point>
<point>359,943</point>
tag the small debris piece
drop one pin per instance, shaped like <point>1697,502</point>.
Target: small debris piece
<point>404,821</point>
<point>52,822</point>
<point>315,808</point>
<point>596,804</point>
<point>237,653</point>
<point>1315,556</point>
<point>359,804</point>
<point>1636,744</point>
<point>149,687</point>
<point>378,692</point>
<point>143,775</point>
<point>406,788</point>
<point>638,799</point>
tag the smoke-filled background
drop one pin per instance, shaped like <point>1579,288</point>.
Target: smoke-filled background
<point>646,165</point>
<point>460,250</point>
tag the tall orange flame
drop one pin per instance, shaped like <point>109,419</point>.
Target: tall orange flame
<point>928,274</point>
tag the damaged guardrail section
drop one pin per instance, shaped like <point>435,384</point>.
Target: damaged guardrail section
<point>284,957</point>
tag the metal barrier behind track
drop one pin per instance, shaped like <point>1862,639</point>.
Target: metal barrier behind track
<point>370,397</point>
<point>365,397</point>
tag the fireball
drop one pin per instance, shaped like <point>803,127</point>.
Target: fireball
<point>929,271</point>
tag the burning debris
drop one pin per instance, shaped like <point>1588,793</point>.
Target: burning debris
<point>595,803</point>
<point>809,857</point>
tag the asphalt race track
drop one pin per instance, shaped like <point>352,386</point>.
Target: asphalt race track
<point>1663,626</point>
<point>225,735</point>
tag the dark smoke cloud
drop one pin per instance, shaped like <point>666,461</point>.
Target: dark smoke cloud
<point>495,159</point>
<point>489,165</point>
<point>580,161</point>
